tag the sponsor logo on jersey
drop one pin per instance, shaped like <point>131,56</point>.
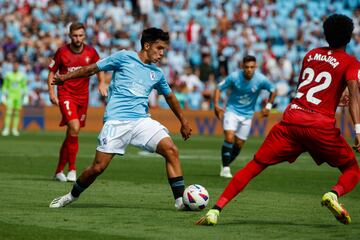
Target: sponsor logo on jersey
<point>324,58</point>
<point>359,76</point>
<point>72,69</point>
<point>52,63</point>
<point>152,75</point>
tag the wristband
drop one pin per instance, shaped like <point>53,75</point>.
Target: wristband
<point>268,106</point>
<point>357,128</point>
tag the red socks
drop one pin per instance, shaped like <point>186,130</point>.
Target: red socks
<point>68,152</point>
<point>239,182</point>
<point>348,179</point>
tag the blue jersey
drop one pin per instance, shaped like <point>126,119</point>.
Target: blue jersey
<point>244,93</point>
<point>130,86</point>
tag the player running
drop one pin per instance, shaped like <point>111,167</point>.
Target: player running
<point>245,86</point>
<point>126,118</point>
<point>308,124</point>
<point>72,97</point>
<point>14,95</point>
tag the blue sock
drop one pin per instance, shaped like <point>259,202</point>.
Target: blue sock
<point>226,151</point>
<point>177,186</point>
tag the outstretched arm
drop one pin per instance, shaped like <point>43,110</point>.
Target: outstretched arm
<point>354,108</point>
<point>175,107</point>
<point>102,88</point>
<point>86,71</point>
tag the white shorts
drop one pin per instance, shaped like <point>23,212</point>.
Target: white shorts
<point>144,133</point>
<point>239,124</point>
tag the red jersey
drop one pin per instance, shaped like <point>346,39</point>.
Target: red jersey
<point>65,60</point>
<point>322,81</point>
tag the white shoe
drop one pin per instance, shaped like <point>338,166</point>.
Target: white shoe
<point>62,201</point>
<point>60,177</point>
<point>5,132</point>
<point>225,172</point>
<point>71,176</point>
<point>179,204</point>
<point>15,132</point>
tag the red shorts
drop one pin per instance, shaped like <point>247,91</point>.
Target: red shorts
<point>71,109</point>
<point>287,142</point>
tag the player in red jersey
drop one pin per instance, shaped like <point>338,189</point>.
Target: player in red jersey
<point>73,96</point>
<point>308,124</point>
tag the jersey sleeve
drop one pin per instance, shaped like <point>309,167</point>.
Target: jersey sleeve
<point>226,83</point>
<point>162,86</point>
<point>353,72</point>
<point>96,56</point>
<point>267,85</point>
<point>112,62</point>
<point>55,62</point>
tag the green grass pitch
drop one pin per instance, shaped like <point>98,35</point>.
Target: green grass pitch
<point>132,199</point>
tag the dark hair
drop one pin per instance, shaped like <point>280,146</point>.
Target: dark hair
<point>338,29</point>
<point>249,58</point>
<point>76,26</point>
<point>151,35</point>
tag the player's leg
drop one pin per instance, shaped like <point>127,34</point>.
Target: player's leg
<point>347,181</point>
<point>69,148</point>
<point>68,152</point>
<point>277,147</point>
<point>239,143</point>
<point>16,117</point>
<point>241,136</point>
<point>152,136</point>
<point>235,186</point>
<point>329,146</point>
<point>87,177</point>
<point>72,147</point>
<point>169,151</point>
<point>226,153</point>
<point>8,115</point>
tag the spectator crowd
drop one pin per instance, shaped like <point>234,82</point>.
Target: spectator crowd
<point>208,39</point>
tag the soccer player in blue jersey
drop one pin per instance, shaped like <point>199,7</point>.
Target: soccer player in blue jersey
<point>245,86</point>
<point>126,118</point>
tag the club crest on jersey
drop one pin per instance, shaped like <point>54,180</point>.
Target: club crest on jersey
<point>359,76</point>
<point>152,75</point>
<point>87,59</point>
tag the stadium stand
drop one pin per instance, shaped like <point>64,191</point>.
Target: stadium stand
<point>208,38</point>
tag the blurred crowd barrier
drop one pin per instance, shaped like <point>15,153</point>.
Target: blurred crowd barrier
<point>202,122</point>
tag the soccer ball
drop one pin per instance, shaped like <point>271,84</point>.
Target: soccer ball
<point>196,197</point>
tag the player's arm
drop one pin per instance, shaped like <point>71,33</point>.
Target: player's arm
<point>53,98</point>
<point>102,88</point>
<point>344,100</point>
<point>5,88</point>
<point>83,72</point>
<point>224,84</point>
<point>354,109</point>
<point>266,110</point>
<point>175,107</point>
<point>219,112</point>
